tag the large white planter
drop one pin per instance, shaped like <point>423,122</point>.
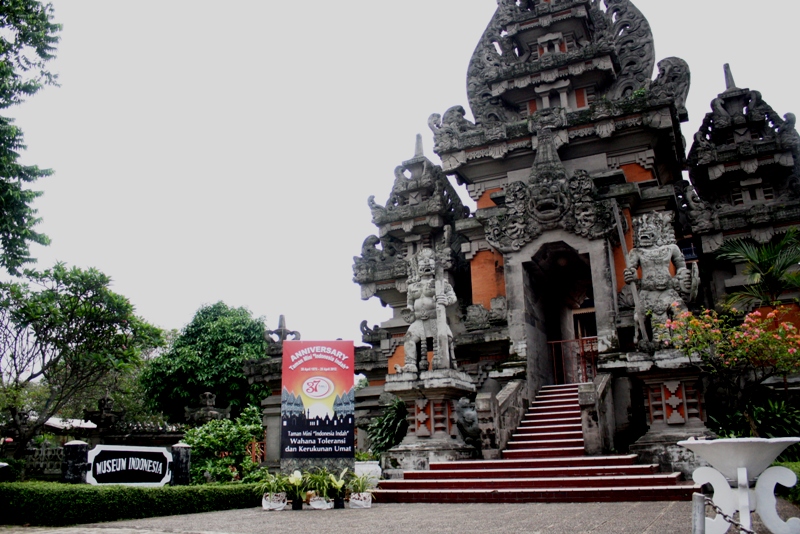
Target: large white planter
<point>740,461</point>
<point>371,468</point>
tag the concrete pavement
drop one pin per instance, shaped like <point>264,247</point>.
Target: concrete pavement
<point>541,518</point>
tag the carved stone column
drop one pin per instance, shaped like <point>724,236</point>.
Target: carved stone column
<point>432,433</point>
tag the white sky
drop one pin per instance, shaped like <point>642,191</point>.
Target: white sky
<point>211,151</point>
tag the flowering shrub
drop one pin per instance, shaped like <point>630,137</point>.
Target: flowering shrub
<point>740,355</point>
<point>763,346</point>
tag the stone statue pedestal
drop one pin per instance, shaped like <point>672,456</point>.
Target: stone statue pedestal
<point>433,436</point>
<point>675,411</point>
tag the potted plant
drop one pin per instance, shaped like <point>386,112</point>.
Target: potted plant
<point>295,489</point>
<point>273,489</point>
<point>320,483</point>
<point>338,488</point>
<point>361,487</point>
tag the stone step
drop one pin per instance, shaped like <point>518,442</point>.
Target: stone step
<point>678,492</point>
<point>544,443</point>
<point>545,436</point>
<point>667,479</point>
<point>552,415</point>
<point>539,453</point>
<point>537,463</point>
<point>548,429</point>
<point>573,420</point>
<point>549,405</point>
<point>534,472</point>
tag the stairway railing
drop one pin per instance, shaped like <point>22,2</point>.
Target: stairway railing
<point>499,416</point>
<point>578,358</point>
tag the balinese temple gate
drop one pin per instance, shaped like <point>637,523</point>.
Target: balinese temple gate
<point>586,238</point>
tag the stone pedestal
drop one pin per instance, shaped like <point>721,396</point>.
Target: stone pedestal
<point>433,436</point>
<point>675,412</point>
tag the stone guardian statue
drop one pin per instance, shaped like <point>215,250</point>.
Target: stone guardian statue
<point>428,295</point>
<point>662,295</point>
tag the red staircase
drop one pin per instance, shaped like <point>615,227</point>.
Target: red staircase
<point>544,462</point>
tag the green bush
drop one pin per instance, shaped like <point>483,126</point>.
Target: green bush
<point>219,447</point>
<point>793,493</point>
<point>54,504</point>
<point>388,429</point>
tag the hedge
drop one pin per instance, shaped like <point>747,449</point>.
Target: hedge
<point>793,493</point>
<point>54,504</point>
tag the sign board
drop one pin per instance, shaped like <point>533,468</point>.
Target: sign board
<point>318,400</point>
<point>130,466</point>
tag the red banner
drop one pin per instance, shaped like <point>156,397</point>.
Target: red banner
<point>318,399</point>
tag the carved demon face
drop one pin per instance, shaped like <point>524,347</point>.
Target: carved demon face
<point>585,216</point>
<point>646,235</point>
<point>548,202</point>
<point>426,265</point>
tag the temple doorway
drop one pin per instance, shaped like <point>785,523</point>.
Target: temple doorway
<point>562,305</point>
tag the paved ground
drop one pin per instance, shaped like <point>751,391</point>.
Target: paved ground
<point>555,518</point>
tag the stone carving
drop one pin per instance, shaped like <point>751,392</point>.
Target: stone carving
<point>701,215</point>
<point>427,296</point>
<point>467,422</point>
<point>479,318</point>
<point>379,264</point>
<point>374,335</point>
<point>661,295</point>
<point>673,82</point>
<point>552,200</point>
<point>420,190</point>
<point>633,41</point>
<point>208,410</point>
<point>275,338</point>
<point>446,130</point>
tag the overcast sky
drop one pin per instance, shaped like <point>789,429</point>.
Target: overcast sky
<point>209,151</point>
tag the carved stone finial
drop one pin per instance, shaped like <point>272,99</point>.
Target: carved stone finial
<point>418,152</point>
<point>281,333</point>
<point>729,83</point>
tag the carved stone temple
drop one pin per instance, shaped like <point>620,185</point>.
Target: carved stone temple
<point>595,222</point>
<point>586,237</point>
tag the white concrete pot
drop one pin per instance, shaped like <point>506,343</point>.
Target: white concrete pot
<point>728,455</point>
<point>736,463</point>
<point>372,469</point>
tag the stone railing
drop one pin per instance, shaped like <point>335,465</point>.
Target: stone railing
<point>597,415</point>
<point>499,415</point>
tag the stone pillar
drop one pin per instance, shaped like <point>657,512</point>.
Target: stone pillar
<point>76,462</point>
<point>272,423</point>
<point>181,462</point>
<point>432,433</point>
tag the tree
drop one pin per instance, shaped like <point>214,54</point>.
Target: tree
<point>28,38</point>
<point>208,355</point>
<point>60,333</point>
<point>768,266</point>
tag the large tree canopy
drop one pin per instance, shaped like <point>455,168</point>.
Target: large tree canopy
<point>61,333</point>
<point>208,355</point>
<point>28,38</point>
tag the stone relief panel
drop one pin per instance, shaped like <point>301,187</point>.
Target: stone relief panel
<point>548,201</point>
